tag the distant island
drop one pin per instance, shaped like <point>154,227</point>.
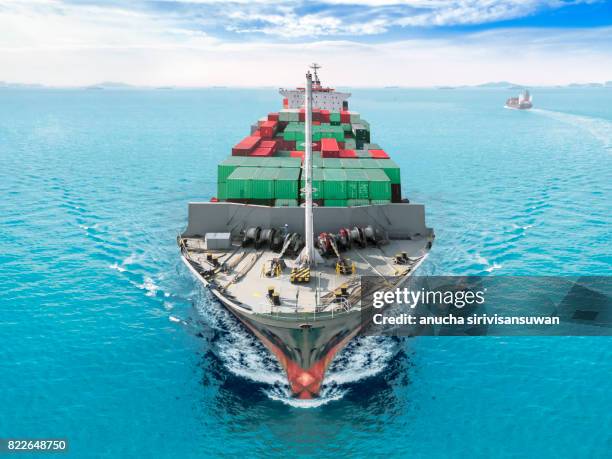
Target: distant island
<point>116,85</point>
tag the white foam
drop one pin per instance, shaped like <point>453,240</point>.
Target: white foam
<point>130,259</point>
<point>324,398</point>
<point>599,128</point>
<point>493,267</point>
<point>244,356</point>
<point>116,267</point>
<point>150,286</point>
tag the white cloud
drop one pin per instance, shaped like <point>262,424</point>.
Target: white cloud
<point>76,45</point>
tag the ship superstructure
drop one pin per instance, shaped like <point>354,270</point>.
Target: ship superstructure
<point>295,226</point>
<point>323,98</point>
<point>522,102</point>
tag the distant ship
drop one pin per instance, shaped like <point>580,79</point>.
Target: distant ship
<point>522,102</point>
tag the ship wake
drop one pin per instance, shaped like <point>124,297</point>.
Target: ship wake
<point>599,128</point>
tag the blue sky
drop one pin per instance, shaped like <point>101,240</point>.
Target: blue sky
<point>359,42</point>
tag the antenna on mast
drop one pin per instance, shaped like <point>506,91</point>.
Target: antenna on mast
<point>314,68</point>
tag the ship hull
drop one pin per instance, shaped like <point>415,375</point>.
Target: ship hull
<point>519,107</point>
<point>304,348</point>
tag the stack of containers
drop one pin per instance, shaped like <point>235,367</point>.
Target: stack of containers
<point>334,187</point>
<point>259,184</point>
<point>286,184</point>
<point>357,185</point>
<point>268,129</point>
<point>350,171</point>
<point>317,184</point>
<point>362,135</point>
<point>329,148</point>
<point>245,146</point>
<point>380,186</point>
<point>347,154</point>
<point>289,115</point>
<point>378,154</point>
<point>226,168</point>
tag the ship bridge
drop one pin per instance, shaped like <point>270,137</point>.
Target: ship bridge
<point>323,97</point>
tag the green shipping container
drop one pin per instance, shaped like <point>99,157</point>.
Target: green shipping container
<point>317,184</point>
<point>335,202</point>
<point>357,184</point>
<point>221,191</point>
<point>391,169</point>
<point>380,201</point>
<point>368,163</point>
<point>263,183</point>
<point>334,184</point>
<point>332,163</point>
<point>334,117</point>
<point>225,169</point>
<point>286,203</point>
<point>239,183</point>
<point>286,185</point>
<point>380,185</point>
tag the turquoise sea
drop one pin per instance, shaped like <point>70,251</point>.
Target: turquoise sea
<point>108,342</point>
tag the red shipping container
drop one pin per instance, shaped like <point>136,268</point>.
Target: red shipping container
<point>302,115</point>
<point>268,129</point>
<point>324,116</point>
<point>345,116</point>
<point>347,154</point>
<point>245,146</point>
<point>316,123</point>
<point>330,154</point>
<point>261,152</point>
<point>316,146</point>
<point>286,145</point>
<point>341,145</point>
<point>257,133</point>
<point>268,144</point>
<point>378,154</point>
<point>329,145</point>
<point>272,116</point>
<point>297,154</point>
<point>285,103</point>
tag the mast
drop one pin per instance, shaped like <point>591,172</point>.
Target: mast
<point>309,227</point>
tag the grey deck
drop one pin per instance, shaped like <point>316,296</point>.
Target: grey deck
<point>245,282</point>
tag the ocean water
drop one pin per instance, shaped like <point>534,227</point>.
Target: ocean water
<point>107,341</point>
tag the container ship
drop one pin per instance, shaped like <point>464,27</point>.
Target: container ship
<point>522,102</point>
<point>306,205</point>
